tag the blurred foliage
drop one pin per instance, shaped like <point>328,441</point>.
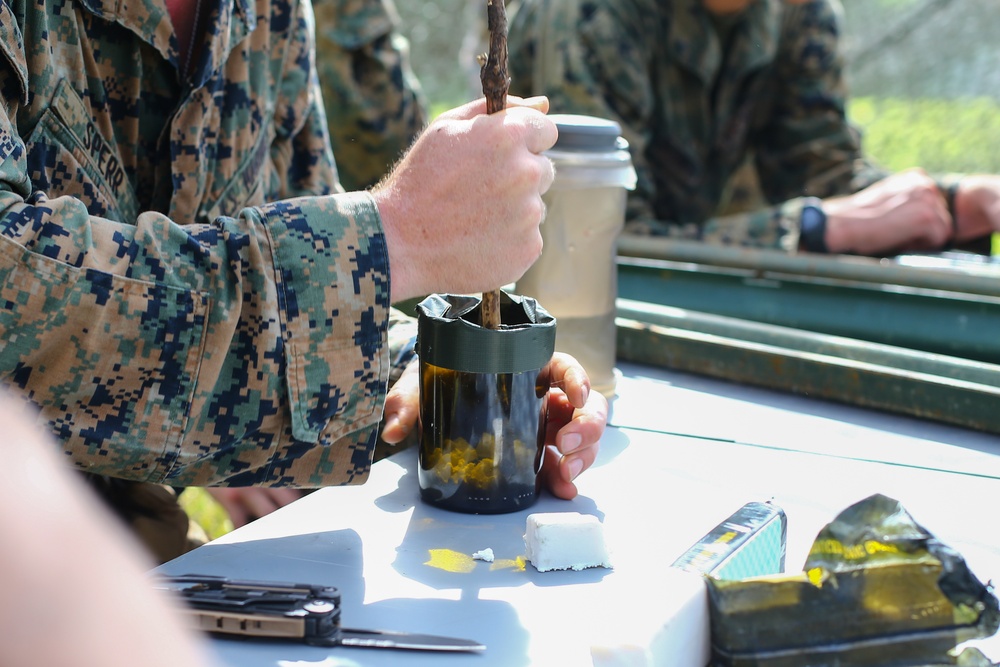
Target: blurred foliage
<point>202,508</point>
<point>925,75</point>
<point>938,135</point>
<point>943,49</point>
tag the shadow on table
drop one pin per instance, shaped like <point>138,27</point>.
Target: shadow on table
<point>335,558</point>
<point>437,549</point>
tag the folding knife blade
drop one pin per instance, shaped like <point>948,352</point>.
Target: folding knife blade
<point>405,640</point>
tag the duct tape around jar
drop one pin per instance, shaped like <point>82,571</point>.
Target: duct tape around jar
<point>576,276</point>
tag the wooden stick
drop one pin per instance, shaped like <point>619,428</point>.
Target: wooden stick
<point>496,83</point>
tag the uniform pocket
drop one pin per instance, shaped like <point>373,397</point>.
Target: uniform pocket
<point>246,187</point>
<point>111,362</point>
<point>67,154</point>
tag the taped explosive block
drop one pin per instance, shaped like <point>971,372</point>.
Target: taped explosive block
<point>877,589</point>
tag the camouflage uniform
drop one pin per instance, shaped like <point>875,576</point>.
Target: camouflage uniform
<point>694,111</point>
<point>374,104</point>
<point>186,294</point>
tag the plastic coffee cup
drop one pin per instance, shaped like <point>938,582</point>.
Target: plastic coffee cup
<point>576,276</point>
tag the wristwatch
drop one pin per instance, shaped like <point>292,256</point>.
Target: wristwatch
<point>812,225</point>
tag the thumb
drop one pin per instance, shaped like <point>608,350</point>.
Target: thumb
<point>539,103</point>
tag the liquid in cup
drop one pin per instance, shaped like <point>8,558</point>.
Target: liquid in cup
<point>576,276</point>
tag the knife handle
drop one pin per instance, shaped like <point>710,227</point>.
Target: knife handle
<point>274,610</point>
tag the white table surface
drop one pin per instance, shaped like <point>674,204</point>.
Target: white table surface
<point>681,454</point>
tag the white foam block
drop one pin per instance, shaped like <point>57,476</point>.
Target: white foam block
<point>565,541</point>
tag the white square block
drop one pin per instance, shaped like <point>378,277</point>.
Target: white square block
<point>565,541</point>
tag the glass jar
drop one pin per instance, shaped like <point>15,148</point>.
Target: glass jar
<point>483,400</point>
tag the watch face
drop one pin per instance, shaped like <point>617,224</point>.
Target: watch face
<point>813,228</point>
<point>811,216</point>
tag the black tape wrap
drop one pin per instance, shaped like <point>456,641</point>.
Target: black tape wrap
<point>449,335</point>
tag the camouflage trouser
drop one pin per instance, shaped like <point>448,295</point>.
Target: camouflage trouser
<point>153,514</point>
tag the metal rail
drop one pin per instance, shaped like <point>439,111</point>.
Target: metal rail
<point>937,311</point>
<point>936,387</point>
<point>852,269</point>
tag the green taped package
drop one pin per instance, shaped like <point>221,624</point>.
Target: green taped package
<point>876,589</point>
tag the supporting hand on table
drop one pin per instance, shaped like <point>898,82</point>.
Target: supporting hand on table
<point>905,212</point>
<point>577,417</point>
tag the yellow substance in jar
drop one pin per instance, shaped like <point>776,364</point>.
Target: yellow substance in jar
<point>461,463</point>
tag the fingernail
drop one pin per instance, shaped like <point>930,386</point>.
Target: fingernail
<point>570,443</point>
<point>581,378</point>
<point>575,467</point>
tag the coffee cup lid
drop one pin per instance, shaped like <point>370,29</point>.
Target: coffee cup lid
<point>586,133</point>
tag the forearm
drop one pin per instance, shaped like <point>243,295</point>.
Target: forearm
<point>230,343</point>
<point>774,227</point>
<point>69,547</point>
<point>219,348</point>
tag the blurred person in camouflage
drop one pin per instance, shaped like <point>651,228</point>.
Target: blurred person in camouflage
<point>702,88</point>
<point>190,298</point>
<point>374,105</point>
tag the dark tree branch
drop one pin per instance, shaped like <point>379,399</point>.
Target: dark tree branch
<point>493,74</point>
<point>496,83</point>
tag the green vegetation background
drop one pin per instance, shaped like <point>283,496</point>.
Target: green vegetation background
<point>939,135</point>
<point>202,508</point>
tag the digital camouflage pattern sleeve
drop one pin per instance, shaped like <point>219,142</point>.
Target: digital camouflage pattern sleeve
<point>185,292</point>
<point>694,110</point>
<point>375,107</point>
